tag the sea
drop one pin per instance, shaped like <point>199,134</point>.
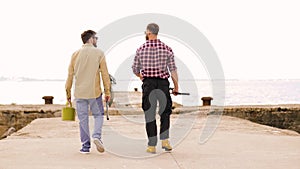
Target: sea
<point>231,92</point>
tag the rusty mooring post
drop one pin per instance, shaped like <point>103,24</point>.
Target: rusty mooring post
<point>48,99</point>
<point>206,101</point>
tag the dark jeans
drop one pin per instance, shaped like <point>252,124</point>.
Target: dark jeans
<point>156,90</point>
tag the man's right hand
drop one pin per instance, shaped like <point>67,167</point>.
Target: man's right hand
<point>69,100</point>
<point>140,76</point>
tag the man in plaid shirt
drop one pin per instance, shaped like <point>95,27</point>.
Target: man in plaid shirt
<point>152,63</point>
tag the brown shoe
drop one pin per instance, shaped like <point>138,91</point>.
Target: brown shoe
<point>151,149</point>
<point>166,145</point>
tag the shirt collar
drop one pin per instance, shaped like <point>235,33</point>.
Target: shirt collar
<point>154,40</point>
<point>87,45</point>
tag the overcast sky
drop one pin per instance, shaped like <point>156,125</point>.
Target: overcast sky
<point>257,39</point>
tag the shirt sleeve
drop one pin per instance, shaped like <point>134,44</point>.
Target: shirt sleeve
<point>105,76</point>
<point>171,62</point>
<point>136,67</point>
<point>69,81</point>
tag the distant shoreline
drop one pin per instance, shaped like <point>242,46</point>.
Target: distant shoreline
<point>236,92</point>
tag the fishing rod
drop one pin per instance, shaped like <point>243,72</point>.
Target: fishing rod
<point>107,115</point>
<point>179,93</point>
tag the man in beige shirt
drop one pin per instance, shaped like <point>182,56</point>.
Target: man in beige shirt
<point>86,66</point>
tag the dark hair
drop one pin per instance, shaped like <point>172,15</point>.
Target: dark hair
<point>86,35</point>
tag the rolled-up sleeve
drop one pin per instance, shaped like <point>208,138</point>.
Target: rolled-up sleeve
<point>136,67</point>
<point>171,62</point>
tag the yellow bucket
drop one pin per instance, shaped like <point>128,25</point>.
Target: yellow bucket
<point>68,113</point>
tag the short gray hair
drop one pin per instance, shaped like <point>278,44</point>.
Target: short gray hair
<point>153,28</point>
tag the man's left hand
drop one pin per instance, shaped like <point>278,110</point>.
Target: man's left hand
<point>107,98</point>
<point>175,91</point>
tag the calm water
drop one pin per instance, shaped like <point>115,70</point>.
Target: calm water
<point>237,92</point>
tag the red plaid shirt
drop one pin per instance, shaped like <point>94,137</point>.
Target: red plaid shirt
<point>153,59</point>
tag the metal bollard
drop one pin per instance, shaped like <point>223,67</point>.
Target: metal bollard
<point>48,99</point>
<point>206,101</point>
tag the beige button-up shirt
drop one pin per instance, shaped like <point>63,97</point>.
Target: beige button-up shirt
<point>86,65</point>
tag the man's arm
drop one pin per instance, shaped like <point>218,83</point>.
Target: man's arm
<point>174,76</point>
<point>173,69</point>
<point>105,78</point>
<point>136,67</point>
<point>69,81</point>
